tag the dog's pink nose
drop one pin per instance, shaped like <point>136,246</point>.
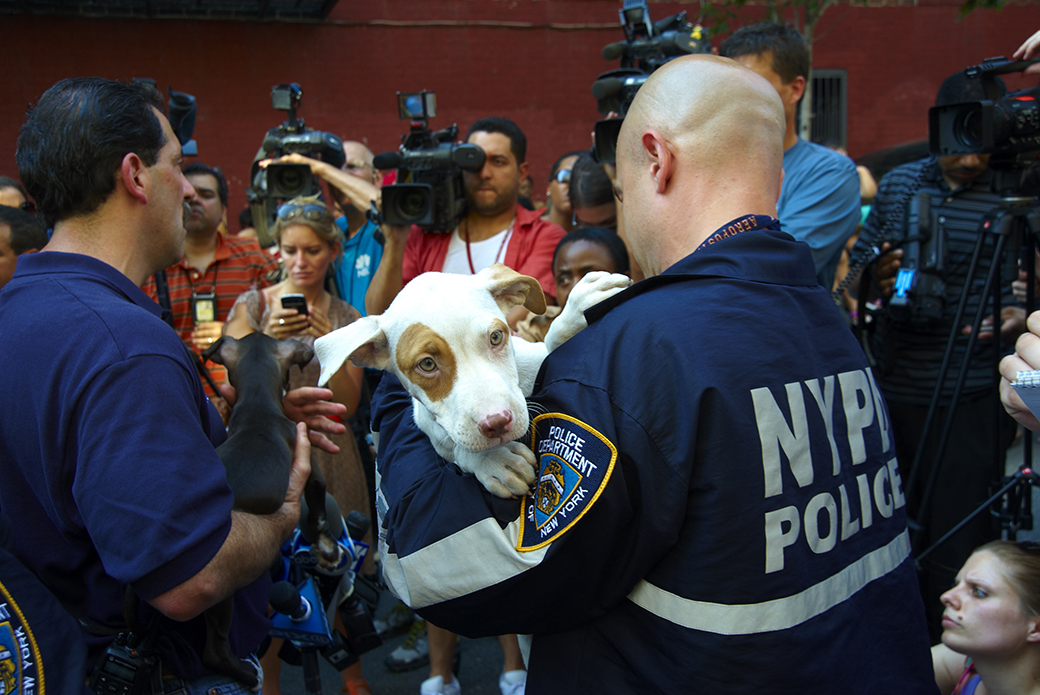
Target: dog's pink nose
<point>496,425</point>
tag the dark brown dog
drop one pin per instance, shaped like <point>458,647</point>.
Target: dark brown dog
<point>258,457</point>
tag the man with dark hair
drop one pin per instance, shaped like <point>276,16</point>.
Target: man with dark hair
<point>819,197</point>
<point>20,233</point>
<point>201,287</point>
<point>495,229</point>
<point>909,348</point>
<point>112,485</point>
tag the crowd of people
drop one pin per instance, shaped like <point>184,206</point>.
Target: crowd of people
<point>730,491</point>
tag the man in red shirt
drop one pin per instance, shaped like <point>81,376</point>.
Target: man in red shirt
<point>495,230</point>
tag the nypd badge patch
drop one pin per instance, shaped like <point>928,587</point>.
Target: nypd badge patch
<point>574,463</point>
<point>19,654</point>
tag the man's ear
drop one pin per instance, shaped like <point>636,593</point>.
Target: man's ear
<point>662,161</point>
<point>133,176</point>
<point>797,87</point>
<point>524,169</point>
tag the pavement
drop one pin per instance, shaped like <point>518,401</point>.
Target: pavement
<point>480,666</point>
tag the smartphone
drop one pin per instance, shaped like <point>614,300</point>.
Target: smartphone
<point>295,301</point>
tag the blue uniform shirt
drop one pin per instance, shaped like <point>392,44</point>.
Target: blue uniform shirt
<point>110,477</point>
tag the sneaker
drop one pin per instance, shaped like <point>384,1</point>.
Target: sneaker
<point>413,652</point>
<point>396,621</point>
<point>513,682</point>
<point>437,686</point>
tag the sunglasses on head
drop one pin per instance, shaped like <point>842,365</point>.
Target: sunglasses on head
<point>309,211</point>
<point>563,176</point>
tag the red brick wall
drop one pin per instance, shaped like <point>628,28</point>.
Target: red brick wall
<point>531,60</point>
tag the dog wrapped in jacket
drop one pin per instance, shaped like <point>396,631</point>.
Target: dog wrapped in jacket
<point>445,337</point>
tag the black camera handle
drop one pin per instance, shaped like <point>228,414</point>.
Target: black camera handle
<point>1010,220</point>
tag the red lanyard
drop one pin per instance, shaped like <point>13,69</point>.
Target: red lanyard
<point>469,256</point>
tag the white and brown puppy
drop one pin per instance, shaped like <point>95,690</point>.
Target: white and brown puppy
<point>446,339</point>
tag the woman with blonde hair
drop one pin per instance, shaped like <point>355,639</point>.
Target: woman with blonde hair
<point>309,241</point>
<point>991,625</point>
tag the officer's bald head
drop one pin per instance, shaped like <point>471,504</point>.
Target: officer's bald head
<point>711,108</point>
<point>701,144</point>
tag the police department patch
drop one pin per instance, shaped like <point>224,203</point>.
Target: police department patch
<point>574,463</point>
<point>19,654</point>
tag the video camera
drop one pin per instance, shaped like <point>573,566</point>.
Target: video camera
<point>282,181</point>
<point>429,191</point>
<point>182,108</point>
<point>1007,127</point>
<point>647,46</point>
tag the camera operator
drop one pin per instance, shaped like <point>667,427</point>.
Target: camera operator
<point>495,230</point>
<point>354,187</point>
<point>111,480</point>
<point>819,199</point>
<point>909,352</point>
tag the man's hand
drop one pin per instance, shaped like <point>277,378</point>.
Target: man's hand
<point>887,268</point>
<point>1012,325</point>
<point>309,405</point>
<point>1029,49</point>
<point>301,470</point>
<point>207,333</point>
<point>1025,358</point>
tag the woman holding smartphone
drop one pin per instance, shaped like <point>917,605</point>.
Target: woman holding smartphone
<point>300,308</point>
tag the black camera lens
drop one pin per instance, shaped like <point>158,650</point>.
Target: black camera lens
<point>413,205</point>
<point>969,127</point>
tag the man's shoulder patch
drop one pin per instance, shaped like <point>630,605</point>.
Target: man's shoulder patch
<point>574,464</point>
<point>20,670</point>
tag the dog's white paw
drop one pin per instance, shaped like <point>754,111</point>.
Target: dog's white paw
<point>592,289</point>
<point>505,471</point>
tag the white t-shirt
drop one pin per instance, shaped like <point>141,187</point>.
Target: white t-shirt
<point>484,253</point>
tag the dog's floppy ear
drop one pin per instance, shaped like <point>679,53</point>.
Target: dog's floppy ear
<point>509,289</point>
<point>295,352</point>
<point>363,342</point>
<point>224,351</point>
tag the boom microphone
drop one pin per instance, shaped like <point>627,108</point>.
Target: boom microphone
<point>607,87</point>
<point>614,50</point>
<point>386,160</point>
<point>286,599</point>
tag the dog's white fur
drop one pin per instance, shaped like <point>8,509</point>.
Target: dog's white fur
<point>445,337</point>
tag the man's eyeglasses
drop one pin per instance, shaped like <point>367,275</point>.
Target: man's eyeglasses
<point>310,211</point>
<point>563,176</point>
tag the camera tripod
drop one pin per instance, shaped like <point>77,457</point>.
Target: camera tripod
<point>1015,220</point>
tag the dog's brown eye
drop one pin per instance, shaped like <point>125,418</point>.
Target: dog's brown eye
<point>427,364</point>
<point>497,337</point>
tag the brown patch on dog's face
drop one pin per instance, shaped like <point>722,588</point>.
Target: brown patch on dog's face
<point>426,359</point>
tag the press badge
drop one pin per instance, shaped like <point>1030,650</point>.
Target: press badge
<point>574,464</point>
<point>204,306</point>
